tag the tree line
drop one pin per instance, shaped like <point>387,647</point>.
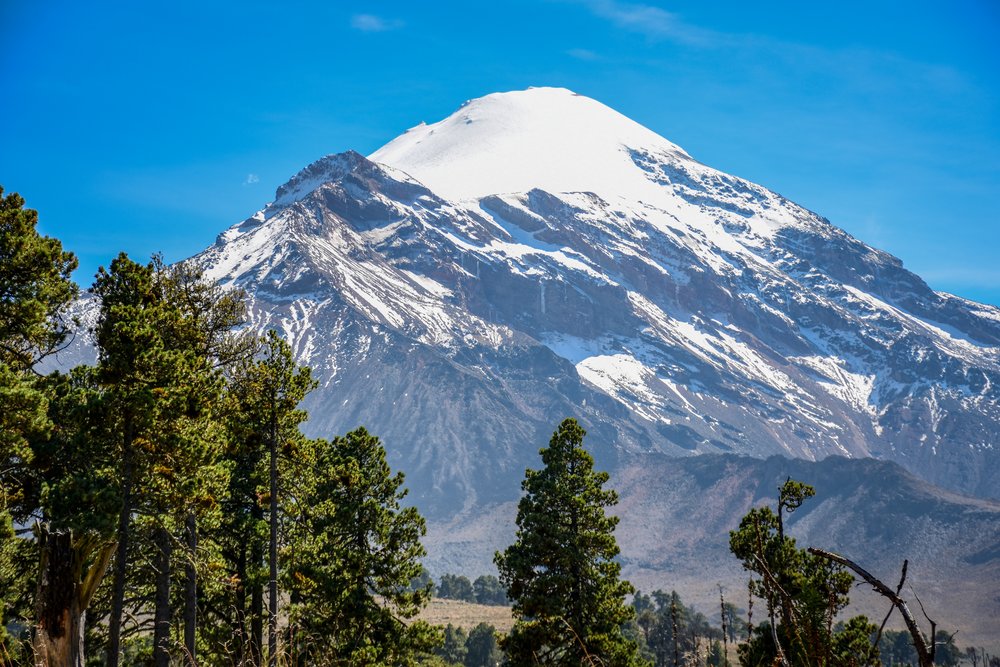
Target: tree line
<point>486,589</point>
<point>163,507</point>
<point>175,513</point>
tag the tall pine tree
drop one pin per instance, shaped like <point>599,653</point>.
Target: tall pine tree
<point>159,335</point>
<point>35,293</point>
<point>358,549</point>
<point>265,452</point>
<point>561,573</point>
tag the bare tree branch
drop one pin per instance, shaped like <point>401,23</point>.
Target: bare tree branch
<point>902,579</point>
<point>925,653</point>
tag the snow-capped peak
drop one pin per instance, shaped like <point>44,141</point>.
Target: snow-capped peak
<point>547,138</point>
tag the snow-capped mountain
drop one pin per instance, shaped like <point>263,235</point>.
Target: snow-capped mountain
<point>536,255</point>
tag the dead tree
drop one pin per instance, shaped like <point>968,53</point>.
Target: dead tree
<point>924,647</point>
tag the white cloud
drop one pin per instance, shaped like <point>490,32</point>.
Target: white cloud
<point>649,20</point>
<point>372,23</point>
<point>583,54</point>
<point>251,179</point>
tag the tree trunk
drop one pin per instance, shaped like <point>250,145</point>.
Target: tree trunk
<point>121,561</point>
<point>63,595</point>
<point>272,618</point>
<point>241,605</point>
<point>161,618</point>
<point>924,645</point>
<point>673,630</point>
<point>58,637</point>
<point>191,593</point>
<point>256,603</point>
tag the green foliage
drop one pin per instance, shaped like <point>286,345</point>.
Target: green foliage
<point>35,293</point>
<point>669,629</point>
<point>482,649</point>
<point>157,335</point>
<point>453,649</point>
<point>422,581</point>
<point>35,287</point>
<point>263,397</point>
<point>716,657</point>
<point>17,590</point>
<point>356,551</point>
<point>455,587</point>
<point>488,590</point>
<point>561,572</point>
<point>803,594</point>
<point>161,335</point>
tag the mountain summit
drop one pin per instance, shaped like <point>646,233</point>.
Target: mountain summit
<point>546,138</point>
<point>537,255</point>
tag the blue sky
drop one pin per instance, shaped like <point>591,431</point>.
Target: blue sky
<point>154,126</point>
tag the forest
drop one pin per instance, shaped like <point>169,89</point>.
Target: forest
<point>162,507</point>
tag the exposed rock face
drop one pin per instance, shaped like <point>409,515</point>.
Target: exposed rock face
<point>671,307</point>
<point>537,255</point>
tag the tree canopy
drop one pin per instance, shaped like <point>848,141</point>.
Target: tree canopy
<point>561,572</point>
<point>803,594</point>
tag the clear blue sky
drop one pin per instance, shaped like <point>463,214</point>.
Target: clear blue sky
<point>145,126</point>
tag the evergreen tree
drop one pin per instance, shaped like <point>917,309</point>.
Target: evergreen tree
<point>455,587</point>
<point>35,287</point>
<point>453,649</point>
<point>357,552</point>
<point>35,293</point>
<point>159,336</point>
<point>560,572</point>
<point>267,455</point>
<point>481,647</point>
<point>670,631</point>
<point>803,594</point>
<point>488,590</point>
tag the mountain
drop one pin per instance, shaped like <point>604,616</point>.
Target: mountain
<point>538,255</point>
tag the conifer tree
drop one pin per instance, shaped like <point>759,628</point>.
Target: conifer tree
<point>266,452</point>
<point>35,293</point>
<point>481,647</point>
<point>35,287</point>
<point>560,573</point>
<point>358,552</point>
<point>803,594</point>
<point>158,336</point>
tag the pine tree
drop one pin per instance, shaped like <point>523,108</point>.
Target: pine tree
<point>803,594</point>
<point>481,647</point>
<point>358,550</point>
<point>266,453</point>
<point>35,293</point>
<point>159,335</point>
<point>453,650</point>
<point>560,572</point>
<point>456,587</point>
<point>35,287</point>
<point>488,590</point>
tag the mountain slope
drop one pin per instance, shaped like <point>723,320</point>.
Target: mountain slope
<point>676,514</point>
<point>537,254</point>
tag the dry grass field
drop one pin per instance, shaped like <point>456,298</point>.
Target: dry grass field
<point>466,615</point>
